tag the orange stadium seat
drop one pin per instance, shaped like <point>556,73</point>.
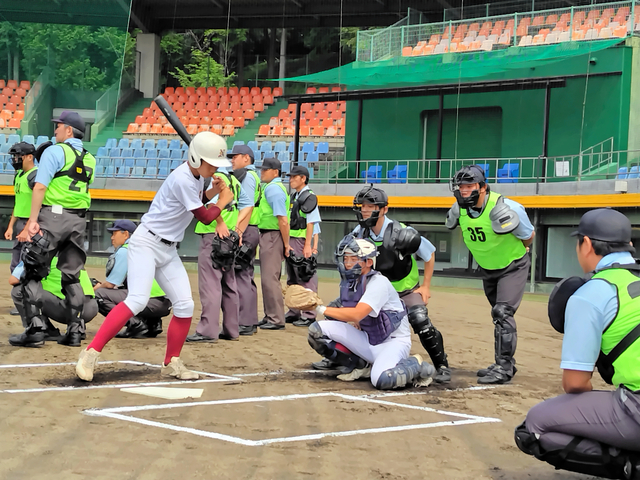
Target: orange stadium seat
<point>132,128</point>
<point>268,100</point>
<point>265,91</point>
<point>217,129</point>
<point>203,128</point>
<point>289,131</point>
<point>144,128</point>
<point>318,131</point>
<point>7,91</point>
<point>277,130</point>
<point>19,114</point>
<point>140,119</point>
<point>331,132</point>
<point>190,90</point>
<point>246,99</point>
<point>341,131</point>
<point>277,92</point>
<point>304,131</point>
<point>229,131</point>
<point>249,114</point>
<point>10,106</point>
<point>263,130</point>
<point>244,91</point>
<point>169,90</point>
<point>258,107</point>
<point>21,92</point>
<point>3,99</point>
<point>327,122</point>
<point>12,84</point>
<point>2,83</point>
<point>310,90</point>
<point>156,128</point>
<point>254,91</point>
<point>233,90</point>
<point>14,123</point>
<point>238,122</point>
<point>3,124</point>
<point>192,129</point>
<point>407,51</point>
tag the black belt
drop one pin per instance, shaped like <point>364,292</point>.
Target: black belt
<point>265,230</point>
<point>163,240</point>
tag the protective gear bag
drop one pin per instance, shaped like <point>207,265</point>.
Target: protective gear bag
<point>503,219</point>
<point>300,269</point>
<point>305,202</point>
<point>223,251</point>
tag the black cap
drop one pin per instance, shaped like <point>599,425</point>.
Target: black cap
<point>271,163</point>
<point>298,170</point>
<point>123,226</point>
<point>72,119</point>
<point>240,150</point>
<point>22,148</point>
<point>606,225</point>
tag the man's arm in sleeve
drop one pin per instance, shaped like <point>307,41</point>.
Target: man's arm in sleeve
<point>524,231</point>
<point>426,253</point>
<point>52,161</point>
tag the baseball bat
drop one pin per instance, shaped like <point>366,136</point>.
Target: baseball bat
<point>172,118</point>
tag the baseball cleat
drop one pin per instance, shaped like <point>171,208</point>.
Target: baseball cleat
<point>443,375</point>
<point>86,364</point>
<point>27,340</point>
<point>427,373</point>
<point>355,374</point>
<point>483,372</point>
<point>177,369</point>
<point>497,375</point>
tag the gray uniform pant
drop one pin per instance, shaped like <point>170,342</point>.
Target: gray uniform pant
<point>507,286</point>
<point>53,307</point>
<point>245,282</point>
<point>612,418</point>
<point>298,246</point>
<point>217,290</point>
<point>65,232</point>
<point>108,298</point>
<point>271,257</point>
<point>16,251</point>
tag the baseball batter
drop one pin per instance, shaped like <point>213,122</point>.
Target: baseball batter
<point>153,254</point>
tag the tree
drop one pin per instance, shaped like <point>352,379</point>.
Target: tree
<point>204,71</point>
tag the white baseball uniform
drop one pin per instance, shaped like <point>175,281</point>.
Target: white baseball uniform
<point>379,294</point>
<point>150,257</point>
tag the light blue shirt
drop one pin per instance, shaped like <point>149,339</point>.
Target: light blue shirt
<point>524,230</point>
<point>118,274</point>
<point>314,216</point>
<point>276,198</point>
<point>17,272</point>
<point>589,311</point>
<point>243,199</point>
<point>52,161</point>
<point>424,252</point>
<point>249,184</point>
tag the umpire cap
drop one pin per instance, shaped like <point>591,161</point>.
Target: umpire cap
<point>123,226</point>
<point>606,225</point>
<point>73,119</point>
<point>240,150</point>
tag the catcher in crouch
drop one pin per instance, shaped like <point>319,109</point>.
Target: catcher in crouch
<point>368,332</point>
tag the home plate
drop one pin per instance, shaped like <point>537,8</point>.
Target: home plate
<point>166,392</point>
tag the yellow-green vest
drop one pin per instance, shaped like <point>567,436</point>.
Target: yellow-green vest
<point>268,221</point>
<point>64,190</point>
<point>230,213</point>
<point>490,250</point>
<point>23,193</point>
<point>52,283</point>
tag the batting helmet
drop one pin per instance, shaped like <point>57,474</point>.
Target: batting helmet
<point>210,148</point>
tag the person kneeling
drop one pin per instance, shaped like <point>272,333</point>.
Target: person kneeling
<point>368,333</point>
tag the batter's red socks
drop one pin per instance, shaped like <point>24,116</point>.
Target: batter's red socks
<point>114,322</point>
<point>176,336</point>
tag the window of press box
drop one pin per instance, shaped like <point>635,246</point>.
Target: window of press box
<point>100,237</point>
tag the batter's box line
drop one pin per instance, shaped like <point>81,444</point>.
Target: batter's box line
<point>214,378</point>
<point>118,414</point>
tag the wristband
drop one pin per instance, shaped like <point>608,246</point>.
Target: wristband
<point>320,309</point>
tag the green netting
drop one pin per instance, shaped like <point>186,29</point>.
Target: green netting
<point>406,71</point>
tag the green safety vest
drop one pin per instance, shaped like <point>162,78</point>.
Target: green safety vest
<point>268,221</point>
<point>64,189</point>
<point>490,250</point>
<point>52,283</point>
<point>23,193</point>
<point>301,233</point>
<point>255,215</point>
<point>627,365</point>
<point>156,291</point>
<point>411,281</point>
<point>230,213</point>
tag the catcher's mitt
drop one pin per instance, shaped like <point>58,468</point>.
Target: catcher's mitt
<point>300,298</point>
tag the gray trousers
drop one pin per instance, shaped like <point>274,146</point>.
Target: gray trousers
<point>245,282</point>
<point>271,258</point>
<point>53,307</point>
<point>217,290</point>
<point>108,298</point>
<point>298,246</point>
<point>506,286</point>
<point>16,251</point>
<point>612,418</point>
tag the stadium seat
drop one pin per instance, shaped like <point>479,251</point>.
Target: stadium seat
<point>373,174</point>
<point>397,174</point>
<point>163,172</point>
<point>109,171</point>
<point>13,138</point>
<point>323,148</point>
<point>141,162</point>
<point>174,144</point>
<point>175,164</point>
<point>149,143</point>
<point>280,147</point>
<point>126,152</point>
<point>622,173</point>
<point>283,157</point>
<point>123,172</point>
<point>175,154</point>
<point>162,153</point>
<point>509,173</point>
<point>136,143</point>
<point>151,172</point>
<point>99,171</point>
<point>253,145</point>
<point>123,143</point>
<point>266,147</point>
<point>162,143</point>
<point>117,162</point>
<point>102,151</point>
<point>485,167</point>
<point>137,172</point>
<point>29,139</point>
<point>4,148</point>
<point>308,147</point>
<point>634,172</point>
<point>138,153</point>
<point>114,153</point>
<point>312,157</point>
<point>129,162</point>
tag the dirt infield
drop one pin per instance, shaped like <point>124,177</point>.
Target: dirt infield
<point>230,433</point>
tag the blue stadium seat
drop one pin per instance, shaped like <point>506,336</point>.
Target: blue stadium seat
<point>4,148</point>
<point>164,153</point>
<point>8,168</point>
<point>117,162</point>
<point>634,172</point>
<point>135,143</point>
<point>283,157</point>
<point>291,147</point>
<point>53,140</point>
<point>138,172</point>
<point>280,147</point>
<point>124,171</point>
<point>13,139</point>
<point>257,155</point>
<point>141,163</point>
<point>41,139</point>
<point>3,138</point>
<point>622,173</point>
<point>152,163</point>
<point>176,154</point>
<point>114,153</point>
<point>238,142</point>
<point>308,147</point>
<point>29,139</point>
<point>103,161</point>
<point>139,153</point>
<point>111,143</point>
<point>127,152</point>
<point>162,143</point>
<point>163,172</point>
<point>397,174</point>
<point>149,143</point>
<point>185,147</point>
<point>164,164</point>
<point>129,162</point>
<point>485,167</point>
<point>253,145</point>
<point>311,174</point>
<point>123,143</point>
<point>109,171</point>
<point>151,172</point>
<point>175,143</point>
<point>286,166</point>
<point>175,164</point>
<point>152,153</point>
<point>373,174</point>
<point>303,163</point>
<point>265,146</point>
<point>509,173</point>
<point>99,170</point>
<point>312,157</point>
<point>102,152</point>
<point>323,147</point>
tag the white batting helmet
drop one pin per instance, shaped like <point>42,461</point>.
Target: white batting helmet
<point>210,148</point>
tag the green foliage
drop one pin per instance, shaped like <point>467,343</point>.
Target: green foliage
<point>203,71</point>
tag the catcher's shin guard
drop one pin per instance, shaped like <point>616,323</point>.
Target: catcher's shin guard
<point>430,337</point>
<point>331,350</point>
<point>404,373</point>
<point>505,336</point>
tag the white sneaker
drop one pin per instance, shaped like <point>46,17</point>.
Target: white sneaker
<point>177,369</point>
<point>86,363</point>
<point>355,374</point>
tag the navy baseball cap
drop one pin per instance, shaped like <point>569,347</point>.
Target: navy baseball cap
<point>73,119</point>
<point>606,225</point>
<point>271,163</point>
<point>123,226</point>
<point>241,150</point>
<point>298,170</point>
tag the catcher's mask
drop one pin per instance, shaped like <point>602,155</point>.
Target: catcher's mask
<point>223,251</point>
<point>467,175</point>
<point>358,247</point>
<point>301,269</point>
<point>374,196</point>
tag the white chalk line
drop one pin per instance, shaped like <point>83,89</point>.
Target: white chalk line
<point>117,413</point>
